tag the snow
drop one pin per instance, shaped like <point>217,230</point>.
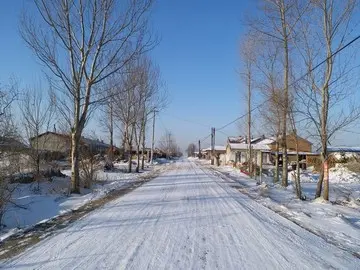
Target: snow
<point>337,221</point>
<point>54,199</point>
<point>216,148</point>
<point>244,146</point>
<point>188,218</point>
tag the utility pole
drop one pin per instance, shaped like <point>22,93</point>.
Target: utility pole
<point>199,155</point>
<point>153,139</point>
<point>212,145</point>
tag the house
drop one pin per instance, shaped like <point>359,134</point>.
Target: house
<point>14,155</point>
<point>11,144</point>
<point>61,143</point>
<point>219,153</point>
<point>237,149</point>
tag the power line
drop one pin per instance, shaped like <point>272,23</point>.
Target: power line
<point>189,121</point>
<point>296,81</point>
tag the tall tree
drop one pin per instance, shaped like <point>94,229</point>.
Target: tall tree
<point>82,43</point>
<point>327,100</point>
<point>248,56</point>
<point>277,25</point>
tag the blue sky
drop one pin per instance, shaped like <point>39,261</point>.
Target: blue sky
<point>198,57</point>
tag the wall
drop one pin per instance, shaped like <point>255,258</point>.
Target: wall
<point>304,145</point>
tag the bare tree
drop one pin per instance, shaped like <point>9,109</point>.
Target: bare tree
<point>107,116</point>
<point>153,97</point>
<point>127,100</point>
<point>9,155</point>
<point>248,56</point>
<point>191,150</point>
<point>168,145</point>
<point>37,117</point>
<point>267,63</point>
<point>326,90</point>
<point>82,43</point>
<point>277,25</point>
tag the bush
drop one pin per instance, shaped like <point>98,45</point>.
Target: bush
<point>23,178</point>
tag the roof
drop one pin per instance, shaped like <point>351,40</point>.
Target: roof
<point>217,148</point>
<point>266,141</point>
<point>53,133</point>
<point>245,146</point>
<point>294,153</point>
<point>236,139</point>
<point>93,142</point>
<point>84,140</point>
<point>6,142</point>
<point>290,135</point>
<point>346,149</point>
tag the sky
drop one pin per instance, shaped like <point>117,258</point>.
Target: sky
<point>198,57</point>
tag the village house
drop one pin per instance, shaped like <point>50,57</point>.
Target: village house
<point>237,149</point>
<point>219,153</point>
<point>61,143</point>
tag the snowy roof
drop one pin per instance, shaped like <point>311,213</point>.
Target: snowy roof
<point>294,153</point>
<point>244,146</point>
<point>217,148</point>
<point>347,149</point>
<point>266,141</point>
<point>236,139</point>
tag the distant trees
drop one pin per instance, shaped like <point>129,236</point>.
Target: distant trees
<point>137,94</point>
<point>191,149</point>
<point>169,146</point>
<point>82,43</point>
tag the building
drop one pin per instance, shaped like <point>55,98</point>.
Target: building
<point>219,153</point>
<point>237,149</point>
<point>61,143</point>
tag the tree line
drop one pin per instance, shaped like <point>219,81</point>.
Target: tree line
<point>298,57</point>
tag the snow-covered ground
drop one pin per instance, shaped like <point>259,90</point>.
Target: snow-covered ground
<point>53,198</point>
<point>187,218</point>
<point>338,221</point>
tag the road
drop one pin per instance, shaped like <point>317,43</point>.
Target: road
<point>184,219</point>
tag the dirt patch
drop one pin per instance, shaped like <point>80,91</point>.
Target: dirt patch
<point>17,243</point>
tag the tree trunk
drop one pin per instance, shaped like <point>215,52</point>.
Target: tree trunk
<point>138,157</point>
<point>111,153</point>
<point>249,126</point>
<point>320,182</point>
<point>75,171</point>
<point>297,178</point>
<point>130,158</point>
<point>284,24</point>
<point>277,171</point>
<point>143,145</point>
<point>261,166</point>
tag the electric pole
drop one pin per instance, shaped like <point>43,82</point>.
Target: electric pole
<point>212,145</point>
<point>153,139</point>
<point>199,155</point>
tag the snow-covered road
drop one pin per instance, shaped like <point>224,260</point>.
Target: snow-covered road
<point>185,219</point>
